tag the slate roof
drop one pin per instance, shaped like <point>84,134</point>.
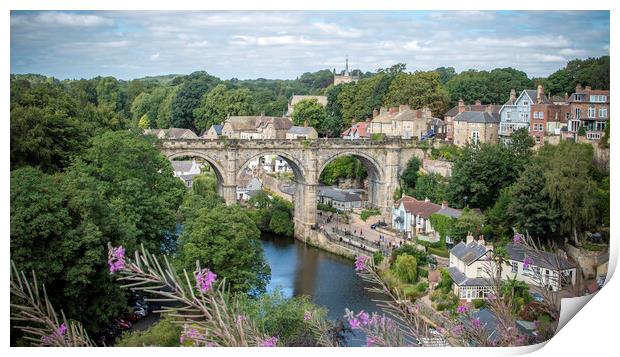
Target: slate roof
<point>288,189</point>
<point>539,258</point>
<point>473,108</point>
<point>478,117</point>
<point>182,166</point>
<point>338,194</point>
<point>180,133</point>
<point>416,207</point>
<point>532,93</point>
<point>450,212</point>
<point>461,280</point>
<point>218,128</point>
<point>587,94</point>
<point>301,130</point>
<point>404,114</point>
<point>468,253</point>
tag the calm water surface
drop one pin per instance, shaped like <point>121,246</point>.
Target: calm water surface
<point>330,280</point>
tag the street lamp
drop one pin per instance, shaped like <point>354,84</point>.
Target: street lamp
<point>465,199</point>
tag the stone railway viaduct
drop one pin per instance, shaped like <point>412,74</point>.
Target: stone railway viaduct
<point>384,161</point>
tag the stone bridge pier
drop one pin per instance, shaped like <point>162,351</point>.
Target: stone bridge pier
<point>383,161</point>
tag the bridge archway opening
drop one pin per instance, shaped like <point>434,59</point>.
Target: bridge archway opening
<point>362,170</point>
<point>205,164</point>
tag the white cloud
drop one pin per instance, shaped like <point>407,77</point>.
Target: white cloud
<point>113,44</point>
<point>337,31</point>
<point>572,52</point>
<point>154,56</point>
<point>199,44</point>
<point>551,58</point>
<point>70,19</point>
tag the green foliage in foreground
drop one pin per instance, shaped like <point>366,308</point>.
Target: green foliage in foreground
<point>369,212</point>
<point>164,333</point>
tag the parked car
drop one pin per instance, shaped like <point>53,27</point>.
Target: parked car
<point>122,324</point>
<point>140,311</point>
<point>600,281</point>
<point>130,316</point>
<point>538,297</point>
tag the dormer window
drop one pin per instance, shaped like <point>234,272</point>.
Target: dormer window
<point>579,97</point>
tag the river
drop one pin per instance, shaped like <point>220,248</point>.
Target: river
<point>330,280</point>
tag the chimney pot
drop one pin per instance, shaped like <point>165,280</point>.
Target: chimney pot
<point>461,105</point>
<point>578,88</point>
<point>470,238</point>
<point>444,204</point>
<point>513,94</point>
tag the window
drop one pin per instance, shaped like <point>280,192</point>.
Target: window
<point>591,112</point>
<point>541,115</point>
<point>479,272</point>
<point>535,115</point>
<point>508,115</point>
<point>577,113</point>
<point>537,139</point>
<point>602,113</point>
<point>525,102</point>
<point>579,97</point>
<point>515,267</point>
<point>475,136</point>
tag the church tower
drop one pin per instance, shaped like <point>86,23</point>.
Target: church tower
<point>346,77</point>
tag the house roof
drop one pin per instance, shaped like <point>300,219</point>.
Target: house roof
<point>182,165</point>
<point>419,208</point>
<point>478,117</point>
<point>359,128</point>
<point>539,258</point>
<point>337,194</point>
<point>587,94</point>
<point>181,133</point>
<point>217,128</point>
<point>278,123</point>
<point>473,108</point>
<point>461,280</point>
<point>450,212</point>
<point>468,253</point>
<point>301,130</point>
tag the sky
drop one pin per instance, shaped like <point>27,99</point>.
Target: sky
<point>285,44</point>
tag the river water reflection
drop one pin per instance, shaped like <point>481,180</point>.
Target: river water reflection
<point>330,280</point>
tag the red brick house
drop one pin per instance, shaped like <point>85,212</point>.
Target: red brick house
<point>589,108</point>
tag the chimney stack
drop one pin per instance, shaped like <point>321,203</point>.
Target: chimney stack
<point>540,93</point>
<point>478,102</point>
<point>513,95</point>
<point>578,88</point>
<point>470,238</point>
<point>489,108</point>
<point>481,241</point>
<point>375,113</point>
<point>588,88</point>
<point>393,110</point>
<point>461,105</point>
<point>444,204</point>
<point>305,123</point>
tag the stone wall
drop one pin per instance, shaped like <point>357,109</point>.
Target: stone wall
<point>444,168</point>
<point>589,261</point>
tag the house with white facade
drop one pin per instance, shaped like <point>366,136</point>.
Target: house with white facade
<point>542,268</point>
<point>186,170</point>
<point>469,269</point>
<point>412,216</point>
<point>515,113</point>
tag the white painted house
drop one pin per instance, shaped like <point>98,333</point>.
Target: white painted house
<point>186,170</point>
<point>469,269</point>
<point>515,113</point>
<point>413,217</point>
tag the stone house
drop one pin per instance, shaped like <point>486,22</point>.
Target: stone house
<point>460,108</point>
<point>247,185</point>
<point>400,122</point>
<point>256,127</point>
<point>214,132</point>
<point>476,127</point>
<point>321,99</point>
<point>515,113</point>
<point>589,108</point>
<point>301,132</point>
<point>340,199</point>
<point>172,133</point>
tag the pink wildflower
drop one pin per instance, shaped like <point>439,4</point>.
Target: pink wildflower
<point>476,323</point>
<point>270,342</point>
<point>517,239</point>
<point>462,309</point>
<point>360,262</point>
<point>307,316</point>
<point>204,280</point>
<point>458,330</point>
<point>363,318</point>
<point>116,259</point>
<point>370,341</point>
<point>355,323</point>
<point>527,262</point>
<point>189,334</point>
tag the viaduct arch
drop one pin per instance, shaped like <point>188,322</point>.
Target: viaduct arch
<point>383,160</point>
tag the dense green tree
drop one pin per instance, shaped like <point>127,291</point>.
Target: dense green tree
<point>470,221</point>
<point>46,127</point>
<point>110,95</point>
<point>227,241</point>
<point>310,112</point>
<point>592,72</point>
<point>359,99</point>
<point>406,268</point>
<point>344,167</point>
<point>221,102</point>
<point>163,333</point>
<point>418,90</point>
<point>410,174</point>
<point>445,74</point>
<point>570,185</point>
<point>280,223</point>
<point>432,186</point>
<point>188,98</point>
<point>488,87</point>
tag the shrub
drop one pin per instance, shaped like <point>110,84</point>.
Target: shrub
<point>377,258</point>
<point>421,256</point>
<point>369,212</point>
<point>406,268</point>
<point>478,303</point>
<point>411,292</point>
<point>421,287</point>
<point>326,208</point>
<point>422,273</point>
